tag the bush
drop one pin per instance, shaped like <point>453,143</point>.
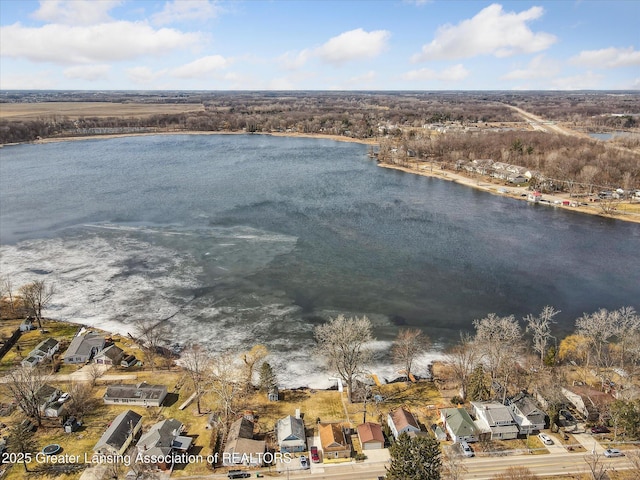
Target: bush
<point>455,400</point>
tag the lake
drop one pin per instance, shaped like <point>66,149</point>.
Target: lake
<point>244,239</point>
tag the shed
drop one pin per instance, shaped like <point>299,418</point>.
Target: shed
<point>370,435</point>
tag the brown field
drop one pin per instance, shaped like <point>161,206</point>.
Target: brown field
<point>73,110</point>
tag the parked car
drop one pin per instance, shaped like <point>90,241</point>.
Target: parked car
<point>238,474</point>
<point>599,429</point>
<point>546,439</point>
<point>613,452</point>
<point>64,397</point>
<point>315,458</point>
<point>466,449</point>
<point>304,462</point>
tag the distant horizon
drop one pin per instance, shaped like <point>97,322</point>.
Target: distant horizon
<point>313,45</point>
<point>627,91</point>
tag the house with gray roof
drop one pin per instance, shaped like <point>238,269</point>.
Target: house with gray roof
<point>120,434</point>
<point>529,417</point>
<point>162,439</point>
<point>141,394</point>
<point>112,355</point>
<point>459,425</point>
<point>291,436</point>
<point>83,347</point>
<point>44,350</point>
<point>496,418</point>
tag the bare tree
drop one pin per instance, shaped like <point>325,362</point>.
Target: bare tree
<point>81,400</point>
<point>598,328</point>
<point>196,361</point>
<point>627,328</point>
<point>462,359</point>
<point>500,340</point>
<point>36,297</point>
<point>251,359</point>
<point>224,381</point>
<point>596,468</point>
<point>94,372</point>
<point>540,328</point>
<point>6,289</point>
<point>515,473</point>
<point>343,342</point>
<point>24,385</point>
<point>151,337</point>
<point>20,440</point>
<point>407,346</point>
<point>453,467</point>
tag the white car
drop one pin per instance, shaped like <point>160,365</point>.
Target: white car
<point>466,449</point>
<point>546,439</point>
<point>613,452</point>
<point>304,462</point>
<point>64,397</point>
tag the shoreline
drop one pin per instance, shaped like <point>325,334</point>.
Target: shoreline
<point>512,191</point>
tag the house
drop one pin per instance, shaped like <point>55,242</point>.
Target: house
<point>334,443</point>
<point>534,197</point>
<point>27,325</point>
<point>83,347</point>
<point>496,418</point>
<point>47,397</point>
<point>290,433</point>
<point>402,421</point>
<point>44,350</point>
<point>459,425</point>
<point>128,361</point>
<point>587,401</point>
<point>529,417</point>
<point>162,439</point>
<point>370,435</point>
<point>112,355</point>
<point>140,394</point>
<point>120,434</point>
<point>241,448</point>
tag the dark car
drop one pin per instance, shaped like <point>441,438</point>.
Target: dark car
<point>238,474</point>
<point>315,458</point>
<point>599,429</point>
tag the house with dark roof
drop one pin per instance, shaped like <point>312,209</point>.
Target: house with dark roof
<point>44,350</point>
<point>333,441</point>
<point>291,435</point>
<point>370,435</point>
<point>529,417</point>
<point>459,425</point>
<point>83,347</point>
<point>128,361</point>
<point>163,439</point>
<point>587,401</point>
<point>496,418</point>
<point>400,421</point>
<point>120,434</point>
<point>241,448</point>
<point>141,394</point>
<point>112,355</point>
<point>47,398</point>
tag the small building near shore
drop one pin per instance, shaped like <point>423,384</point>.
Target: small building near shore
<point>83,347</point>
<point>370,435</point>
<point>141,394</point>
<point>402,420</point>
<point>112,355</point>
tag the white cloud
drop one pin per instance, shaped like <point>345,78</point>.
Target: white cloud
<point>451,74</point>
<point>41,81</point>
<point>143,75</point>
<point>186,10</point>
<point>89,72</point>
<point>201,67</point>
<point>75,12</point>
<point>294,60</point>
<point>490,32</point>
<point>608,58</point>
<point>539,67</point>
<point>585,81</point>
<point>106,42</point>
<point>353,45</point>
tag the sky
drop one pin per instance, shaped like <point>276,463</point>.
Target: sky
<point>319,45</point>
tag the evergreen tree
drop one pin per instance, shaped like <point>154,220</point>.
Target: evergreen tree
<point>267,377</point>
<point>478,388</point>
<point>415,458</point>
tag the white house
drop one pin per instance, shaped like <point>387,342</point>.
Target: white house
<point>291,436</point>
<point>44,350</point>
<point>83,347</point>
<point>529,417</point>
<point>459,425</point>
<point>120,434</point>
<point>497,418</point>
<point>402,421</point>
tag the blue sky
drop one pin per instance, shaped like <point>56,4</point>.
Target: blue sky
<point>319,45</point>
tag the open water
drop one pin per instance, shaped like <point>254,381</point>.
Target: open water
<point>240,239</point>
